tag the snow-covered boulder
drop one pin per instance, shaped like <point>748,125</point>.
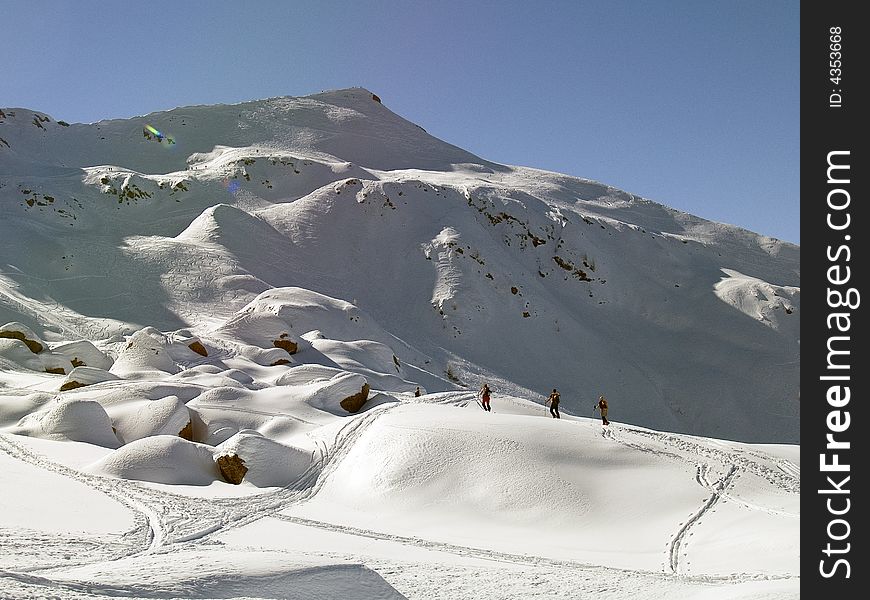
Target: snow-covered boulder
<point>53,362</point>
<point>160,459</point>
<point>18,331</point>
<point>83,353</point>
<point>143,418</point>
<point>326,388</point>
<point>280,317</point>
<point>15,353</point>
<point>185,347</point>
<point>267,463</point>
<point>146,351</point>
<point>70,420</point>
<point>263,331</point>
<point>13,408</point>
<point>775,306</point>
<point>209,378</point>
<point>268,357</point>
<point>303,310</point>
<point>359,354</point>
<point>82,376</point>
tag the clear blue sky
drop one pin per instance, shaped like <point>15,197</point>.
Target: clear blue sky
<point>691,104</point>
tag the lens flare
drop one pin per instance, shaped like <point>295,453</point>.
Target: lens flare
<point>232,185</point>
<point>161,137</point>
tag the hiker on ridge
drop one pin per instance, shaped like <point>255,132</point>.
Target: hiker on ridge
<point>553,401</point>
<point>602,406</point>
<point>484,397</point>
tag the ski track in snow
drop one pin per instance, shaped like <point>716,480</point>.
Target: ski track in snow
<point>717,489</point>
<point>167,521</point>
<point>786,477</point>
<point>178,261</point>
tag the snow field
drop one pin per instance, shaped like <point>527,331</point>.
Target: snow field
<point>260,299</point>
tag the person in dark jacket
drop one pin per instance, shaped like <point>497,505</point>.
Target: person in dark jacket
<point>553,401</point>
<point>602,407</point>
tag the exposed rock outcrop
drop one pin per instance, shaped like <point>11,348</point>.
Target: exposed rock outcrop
<point>198,348</point>
<point>82,376</point>
<point>17,331</point>
<point>286,344</point>
<point>261,461</point>
<point>353,403</point>
<point>187,432</point>
<point>83,353</point>
<point>232,468</point>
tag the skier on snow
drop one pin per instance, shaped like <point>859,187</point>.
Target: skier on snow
<point>602,406</point>
<point>553,401</point>
<point>484,397</point>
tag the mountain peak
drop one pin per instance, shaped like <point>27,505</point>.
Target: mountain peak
<point>472,270</point>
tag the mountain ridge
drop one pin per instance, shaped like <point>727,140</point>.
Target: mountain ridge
<point>528,278</point>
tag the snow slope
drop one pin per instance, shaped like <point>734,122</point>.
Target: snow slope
<point>528,278</point>
<point>406,493</point>
<point>210,340</point>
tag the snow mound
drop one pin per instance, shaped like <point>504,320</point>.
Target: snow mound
<point>83,354</point>
<point>146,352</point>
<point>230,227</point>
<point>15,330</point>
<point>373,360</point>
<point>15,353</point>
<point>231,573</point>
<point>775,306</point>
<point>560,488</point>
<point>142,418</point>
<point>328,389</point>
<point>70,420</point>
<point>296,311</point>
<point>13,408</point>
<point>268,463</point>
<point>160,459</point>
<point>82,376</point>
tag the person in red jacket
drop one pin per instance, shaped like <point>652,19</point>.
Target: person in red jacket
<point>484,397</point>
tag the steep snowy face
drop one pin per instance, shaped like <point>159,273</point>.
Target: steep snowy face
<point>352,231</point>
<point>349,124</point>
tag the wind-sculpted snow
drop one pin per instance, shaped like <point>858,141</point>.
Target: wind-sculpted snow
<point>265,337</point>
<point>461,266</point>
<point>134,420</point>
<point>70,419</point>
<point>161,459</point>
<point>268,463</point>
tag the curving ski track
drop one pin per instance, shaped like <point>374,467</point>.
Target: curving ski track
<point>786,477</point>
<point>166,520</point>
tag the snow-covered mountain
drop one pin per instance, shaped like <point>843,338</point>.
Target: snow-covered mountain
<point>240,345</point>
<point>528,279</point>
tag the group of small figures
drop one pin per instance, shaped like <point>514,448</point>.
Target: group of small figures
<point>600,406</point>
<point>553,400</point>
